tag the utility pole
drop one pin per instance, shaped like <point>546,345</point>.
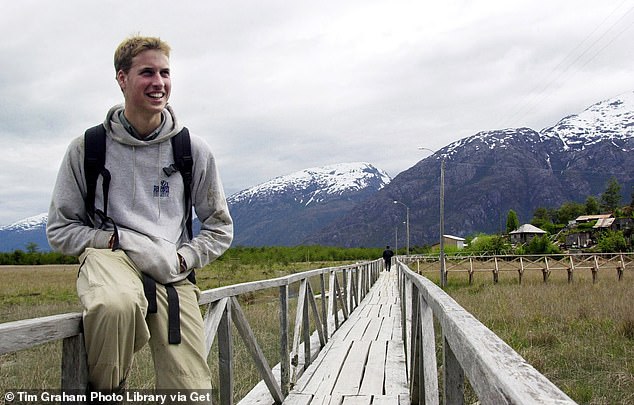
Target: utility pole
<point>441,255</point>
<point>406,222</point>
<point>443,274</point>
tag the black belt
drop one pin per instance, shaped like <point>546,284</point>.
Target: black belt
<point>173,306</point>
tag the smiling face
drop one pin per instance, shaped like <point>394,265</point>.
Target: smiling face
<point>146,87</point>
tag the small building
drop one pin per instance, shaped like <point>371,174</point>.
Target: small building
<point>578,240</point>
<point>450,241</point>
<point>525,233</point>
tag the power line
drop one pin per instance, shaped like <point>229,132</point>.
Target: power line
<point>524,107</point>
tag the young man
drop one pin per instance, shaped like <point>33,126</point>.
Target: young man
<point>140,238</point>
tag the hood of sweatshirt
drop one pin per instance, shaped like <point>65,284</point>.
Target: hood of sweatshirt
<point>119,133</point>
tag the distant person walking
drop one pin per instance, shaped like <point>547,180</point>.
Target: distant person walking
<point>387,257</point>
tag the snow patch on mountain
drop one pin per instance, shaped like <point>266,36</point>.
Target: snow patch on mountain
<point>319,182</point>
<point>611,119</point>
<point>26,224</point>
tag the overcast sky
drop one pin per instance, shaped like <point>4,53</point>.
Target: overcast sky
<point>279,86</point>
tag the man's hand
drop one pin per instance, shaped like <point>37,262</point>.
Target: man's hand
<point>183,264</point>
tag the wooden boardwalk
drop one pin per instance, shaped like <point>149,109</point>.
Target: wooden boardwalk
<point>364,360</point>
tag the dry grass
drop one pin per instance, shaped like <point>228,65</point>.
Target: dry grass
<point>580,335</point>
<point>28,292</point>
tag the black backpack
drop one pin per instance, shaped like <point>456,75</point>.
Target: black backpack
<point>94,166</point>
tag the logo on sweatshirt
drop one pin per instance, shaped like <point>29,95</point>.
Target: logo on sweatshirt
<point>163,190</point>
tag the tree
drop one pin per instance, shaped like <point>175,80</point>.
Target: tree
<point>490,244</point>
<point>31,247</point>
<point>611,197</point>
<point>612,242</point>
<point>512,222</point>
<point>592,206</point>
<point>569,211</point>
<point>541,216</point>
<point>541,245</point>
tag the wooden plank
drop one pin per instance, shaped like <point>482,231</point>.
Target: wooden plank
<point>256,352</point>
<point>352,369</point>
<point>19,335</point>
<point>298,399</point>
<point>387,330</point>
<point>214,313</point>
<point>357,400</point>
<point>322,376</point>
<point>374,328</point>
<point>225,355</point>
<point>395,369</point>
<point>430,369</point>
<point>74,364</point>
<point>374,375</point>
<point>285,359</point>
<point>385,400</point>
<point>359,329</point>
<point>297,331</point>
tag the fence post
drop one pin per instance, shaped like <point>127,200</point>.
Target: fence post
<point>428,353</point>
<point>285,359</point>
<point>225,356</point>
<point>74,364</point>
<point>454,377</point>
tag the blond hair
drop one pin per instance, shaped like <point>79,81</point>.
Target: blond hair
<point>134,45</point>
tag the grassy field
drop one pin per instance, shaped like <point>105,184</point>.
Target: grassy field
<point>580,335</point>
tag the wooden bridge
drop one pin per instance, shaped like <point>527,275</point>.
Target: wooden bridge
<point>360,336</point>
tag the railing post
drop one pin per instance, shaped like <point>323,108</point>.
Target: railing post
<point>428,353</point>
<point>453,376</point>
<point>225,357</point>
<point>415,374</point>
<point>285,359</point>
<point>74,364</point>
<point>324,312</point>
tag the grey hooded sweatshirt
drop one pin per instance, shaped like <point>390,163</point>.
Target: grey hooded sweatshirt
<point>147,205</point>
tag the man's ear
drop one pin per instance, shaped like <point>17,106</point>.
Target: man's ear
<point>121,79</point>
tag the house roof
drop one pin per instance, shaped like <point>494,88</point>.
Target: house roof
<point>527,228</point>
<point>604,223</point>
<point>453,237</point>
<point>585,218</point>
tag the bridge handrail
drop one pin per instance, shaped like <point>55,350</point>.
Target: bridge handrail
<point>347,285</point>
<point>496,372</point>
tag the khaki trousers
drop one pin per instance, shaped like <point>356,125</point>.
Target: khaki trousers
<point>116,325</point>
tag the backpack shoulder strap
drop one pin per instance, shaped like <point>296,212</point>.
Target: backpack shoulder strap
<point>182,149</point>
<point>94,164</point>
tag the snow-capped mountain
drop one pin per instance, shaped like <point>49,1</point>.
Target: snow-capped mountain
<point>21,234</point>
<point>492,172</point>
<point>486,175</point>
<point>610,120</point>
<point>317,183</point>
<point>284,210</point>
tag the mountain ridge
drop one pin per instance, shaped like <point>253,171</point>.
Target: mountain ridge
<point>491,172</point>
<point>486,174</point>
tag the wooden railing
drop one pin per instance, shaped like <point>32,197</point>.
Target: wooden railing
<point>496,372</point>
<point>345,288</point>
<point>596,263</point>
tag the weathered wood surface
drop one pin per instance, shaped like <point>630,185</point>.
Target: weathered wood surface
<point>496,372</point>
<point>364,360</point>
<point>19,335</point>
